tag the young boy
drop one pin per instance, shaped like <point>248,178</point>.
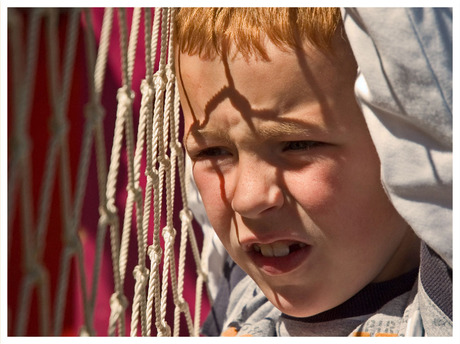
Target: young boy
<point>290,177</point>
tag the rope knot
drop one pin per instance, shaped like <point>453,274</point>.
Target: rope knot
<point>20,146</point>
<point>153,174</point>
<point>159,81</point>
<point>170,75</point>
<point>176,147</point>
<point>141,275</point>
<point>35,270</point>
<point>202,274</point>
<point>107,217</point>
<point>165,161</point>
<point>147,90</point>
<point>71,242</point>
<point>137,192</point>
<point>182,305</point>
<point>155,252</point>
<point>59,127</point>
<point>186,215</point>
<point>94,112</point>
<point>169,233</point>
<point>85,332</point>
<point>118,304</point>
<point>164,330</point>
<point>125,97</point>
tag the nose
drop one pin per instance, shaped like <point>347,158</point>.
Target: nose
<point>257,190</point>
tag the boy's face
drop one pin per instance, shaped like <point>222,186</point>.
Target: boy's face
<point>289,175</point>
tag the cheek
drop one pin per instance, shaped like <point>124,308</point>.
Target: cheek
<point>335,193</point>
<point>316,189</point>
<point>212,190</point>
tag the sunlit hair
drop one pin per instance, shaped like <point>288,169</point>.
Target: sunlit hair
<point>209,31</point>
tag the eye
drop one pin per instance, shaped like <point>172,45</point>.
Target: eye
<point>212,152</point>
<point>300,145</point>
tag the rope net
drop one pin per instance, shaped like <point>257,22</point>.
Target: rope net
<point>85,221</point>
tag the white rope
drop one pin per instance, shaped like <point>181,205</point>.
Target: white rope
<point>134,193</point>
<point>20,177</point>
<point>149,90</point>
<point>155,251</point>
<point>94,114</point>
<point>169,233</point>
<point>99,70</point>
<point>57,142</point>
<point>60,97</point>
<point>182,305</point>
<point>164,173</point>
<point>172,112</point>
<point>99,74</point>
<point>125,98</point>
<point>141,273</point>
<point>117,316</point>
<point>157,142</point>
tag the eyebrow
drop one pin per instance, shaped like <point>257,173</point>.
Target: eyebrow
<point>201,134</point>
<point>272,130</point>
<point>284,128</point>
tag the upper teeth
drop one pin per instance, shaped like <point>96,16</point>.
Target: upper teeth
<point>276,249</point>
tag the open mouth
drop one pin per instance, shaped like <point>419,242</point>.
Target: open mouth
<point>279,257</point>
<point>277,249</point>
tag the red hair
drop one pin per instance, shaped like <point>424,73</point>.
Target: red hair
<point>208,31</point>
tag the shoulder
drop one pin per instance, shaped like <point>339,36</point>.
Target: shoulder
<point>435,294</point>
<point>249,312</point>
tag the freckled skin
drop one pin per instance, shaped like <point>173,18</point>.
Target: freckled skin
<point>281,151</point>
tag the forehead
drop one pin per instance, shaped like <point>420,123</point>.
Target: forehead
<point>252,85</point>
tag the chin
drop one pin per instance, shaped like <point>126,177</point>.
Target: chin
<point>295,307</point>
<point>296,311</point>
